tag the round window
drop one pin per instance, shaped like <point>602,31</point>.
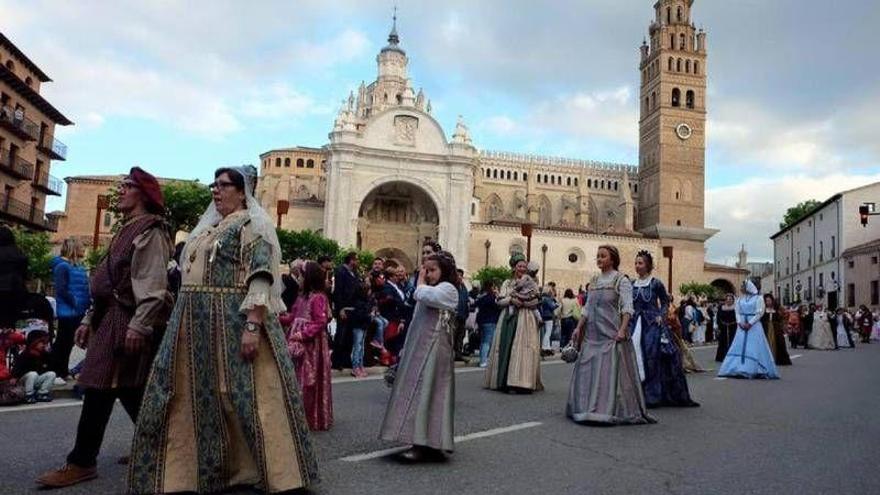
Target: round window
<point>573,257</point>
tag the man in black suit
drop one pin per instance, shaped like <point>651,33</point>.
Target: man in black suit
<point>345,284</point>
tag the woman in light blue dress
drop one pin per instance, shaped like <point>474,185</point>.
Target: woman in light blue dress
<point>749,355</point>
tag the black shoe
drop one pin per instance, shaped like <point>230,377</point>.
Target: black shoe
<point>44,398</point>
<point>30,399</point>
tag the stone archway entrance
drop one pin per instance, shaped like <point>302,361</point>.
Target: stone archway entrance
<point>724,286</point>
<point>394,219</point>
<point>397,257</point>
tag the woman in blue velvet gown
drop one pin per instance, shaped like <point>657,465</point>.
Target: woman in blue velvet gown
<point>749,355</point>
<point>663,378</point>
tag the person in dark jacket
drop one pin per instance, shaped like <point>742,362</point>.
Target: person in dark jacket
<point>72,301</point>
<point>33,368</point>
<point>461,316</point>
<point>13,274</point>
<point>358,317</point>
<point>345,284</point>
<point>392,308</point>
<point>488,312</point>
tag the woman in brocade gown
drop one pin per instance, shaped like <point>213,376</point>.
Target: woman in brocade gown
<point>605,386</point>
<point>749,355</point>
<point>664,382</point>
<point>222,406</point>
<point>821,338</point>
<point>726,329</point>
<point>421,410</point>
<point>309,348</point>
<point>515,355</point>
<point>772,321</point>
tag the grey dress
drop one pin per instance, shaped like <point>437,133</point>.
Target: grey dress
<point>605,386</point>
<point>421,408</point>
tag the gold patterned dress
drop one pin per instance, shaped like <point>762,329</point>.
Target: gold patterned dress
<point>211,420</point>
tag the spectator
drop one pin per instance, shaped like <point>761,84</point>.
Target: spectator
<point>326,263</point>
<point>292,282</point>
<point>11,392</point>
<point>461,315</point>
<point>358,317</point>
<point>175,278</point>
<point>378,265</point>
<point>33,368</point>
<point>488,312</point>
<point>377,285</point>
<point>13,273</point>
<point>548,315</point>
<point>392,308</point>
<point>72,299</point>
<point>345,285</point>
<point>571,311</point>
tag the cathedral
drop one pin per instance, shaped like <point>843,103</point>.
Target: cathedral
<point>389,178</point>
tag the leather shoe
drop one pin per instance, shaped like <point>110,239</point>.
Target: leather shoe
<point>68,475</point>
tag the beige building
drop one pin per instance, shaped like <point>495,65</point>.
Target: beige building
<point>27,142</point>
<point>862,275</point>
<point>389,178</point>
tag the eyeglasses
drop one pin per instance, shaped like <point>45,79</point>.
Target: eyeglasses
<point>127,185</point>
<point>220,184</point>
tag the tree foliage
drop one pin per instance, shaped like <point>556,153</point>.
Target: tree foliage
<point>185,201</point>
<point>798,211</point>
<point>698,289</point>
<point>306,244</point>
<point>38,249</point>
<point>94,256</point>
<point>495,274</point>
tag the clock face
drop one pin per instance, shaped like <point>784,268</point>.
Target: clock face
<point>683,131</point>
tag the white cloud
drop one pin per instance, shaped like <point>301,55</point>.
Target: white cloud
<point>345,47</point>
<point>749,213</point>
<point>280,101</point>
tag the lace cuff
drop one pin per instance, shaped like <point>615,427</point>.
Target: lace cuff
<point>259,294</point>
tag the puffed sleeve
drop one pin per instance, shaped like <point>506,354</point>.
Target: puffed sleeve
<point>662,296</point>
<point>256,255</point>
<point>149,279</point>
<point>759,311</point>
<point>625,295</point>
<point>441,296</point>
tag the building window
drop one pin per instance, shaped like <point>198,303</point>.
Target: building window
<point>516,176</point>
<point>689,99</point>
<point>679,15</point>
<point>833,243</point>
<point>278,162</point>
<point>678,66</point>
<point>672,41</point>
<point>671,63</point>
<point>300,163</point>
<point>573,258</point>
<point>873,260</point>
<point>820,217</point>
<point>676,97</point>
<point>473,209</point>
<point>10,65</point>
<point>851,295</point>
<point>28,81</point>
<point>851,263</point>
<point>821,252</point>
<point>525,176</point>
<point>310,163</point>
<point>508,175</point>
<point>696,67</point>
<point>687,66</point>
<point>287,162</point>
<point>107,219</point>
<point>875,293</point>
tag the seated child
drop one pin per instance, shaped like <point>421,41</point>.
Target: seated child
<point>33,368</point>
<point>11,392</point>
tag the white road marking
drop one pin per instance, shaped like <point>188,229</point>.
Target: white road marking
<point>719,378</point>
<point>459,439</point>
<point>796,356</point>
<point>42,405</point>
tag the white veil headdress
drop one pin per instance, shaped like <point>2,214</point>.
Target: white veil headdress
<point>750,288</point>
<point>261,225</point>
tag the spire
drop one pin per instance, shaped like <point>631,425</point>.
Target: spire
<point>393,39</point>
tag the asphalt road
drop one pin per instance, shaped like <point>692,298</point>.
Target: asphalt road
<point>815,431</point>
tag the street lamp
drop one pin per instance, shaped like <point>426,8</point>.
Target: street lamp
<point>526,230</point>
<point>283,207</point>
<point>543,264</point>
<point>487,244</point>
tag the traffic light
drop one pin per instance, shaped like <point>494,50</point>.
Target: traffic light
<point>864,211</point>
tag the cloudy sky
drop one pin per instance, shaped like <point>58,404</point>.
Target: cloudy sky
<point>182,87</point>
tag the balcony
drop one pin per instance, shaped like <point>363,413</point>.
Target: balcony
<point>53,148</point>
<point>48,184</point>
<point>19,125</point>
<point>15,166</point>
<point>25,214</point>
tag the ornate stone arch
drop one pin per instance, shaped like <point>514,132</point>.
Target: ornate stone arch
<point>545,211</point>
<point>494,209</point>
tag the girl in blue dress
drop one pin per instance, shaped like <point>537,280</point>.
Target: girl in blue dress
<point>749,355</point>
<point>663,379</point>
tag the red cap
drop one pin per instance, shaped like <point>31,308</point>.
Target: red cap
<point>149,187</point>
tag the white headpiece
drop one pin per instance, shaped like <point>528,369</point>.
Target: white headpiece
<point>750,288</point>
<point>261,225</point>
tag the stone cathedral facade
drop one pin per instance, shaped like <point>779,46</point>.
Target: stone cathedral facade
<point>389,177</point>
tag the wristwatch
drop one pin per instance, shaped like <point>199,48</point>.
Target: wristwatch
<point>253,327</point>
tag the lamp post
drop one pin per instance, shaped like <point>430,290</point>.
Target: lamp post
<point>526,230</point>
<point>283,207</point>
<point>667,253</point>
<point>102,203</point>
<point>543,264</point>
<point>487,244</point>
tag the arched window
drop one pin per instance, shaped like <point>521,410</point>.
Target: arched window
<point>509,175</point>
<point>676,97</point>
<point>28,80</point>
<point>616,185</point>
<point>278,162</point>
<point>679,14</point>
<point>525,176</point>
<point>682,42</point>
<point>495,174</point>
<point>687,66</point>
<point>575,182</point>
<point>653,100</point>
<point>671,62</point>
<point>696,67</point>
<point>287,162</point>
<point>300,163</point>
<point>672,41</point>
<point>689,99</point>
<point>668,15</point>
<point>310,163</point>
<point>516,176</point>
<point>603,185</point>
<point>647,104</point>
<point>636,188</point>
<point>10,65</point>
<point>487,172</point>
<point>386,97</point>
<point>678,66</point>
<point>399,99</point>
<point>568,181</point>
<point>590,183</point>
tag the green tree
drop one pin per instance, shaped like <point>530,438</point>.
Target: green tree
<point>38,249</point>
<point>700,290</point>
<point>94,256</point>
<point>798,211</point>
<point>305,244</point>
<point>185,202</point>
<point>496,274</point>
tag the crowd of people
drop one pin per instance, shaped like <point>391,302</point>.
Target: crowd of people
<point>224,365</point>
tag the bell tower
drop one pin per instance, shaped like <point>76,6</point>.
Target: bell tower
<point>672,127</point>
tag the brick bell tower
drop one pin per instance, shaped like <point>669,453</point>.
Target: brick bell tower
<point>672,128</point>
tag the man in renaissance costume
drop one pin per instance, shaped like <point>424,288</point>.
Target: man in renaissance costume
<point>124,325</point>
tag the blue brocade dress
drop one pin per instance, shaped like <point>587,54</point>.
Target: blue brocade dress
<point>664,380</point>
<point>749,355</point>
